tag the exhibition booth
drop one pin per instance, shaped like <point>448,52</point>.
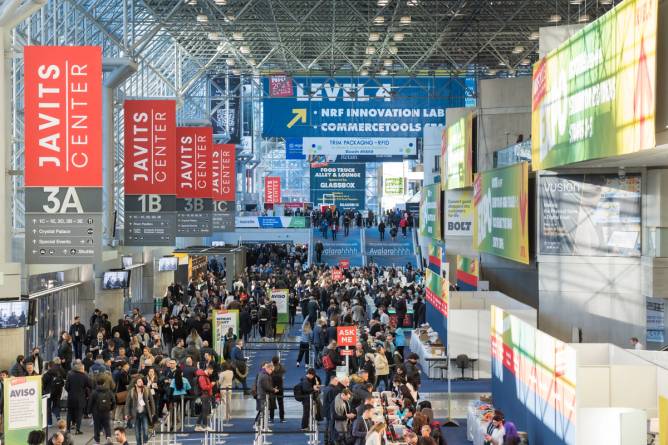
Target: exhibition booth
<point>563,393</point>
<point>468,330</point>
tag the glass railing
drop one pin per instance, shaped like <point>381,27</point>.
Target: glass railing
<point>513,154</point>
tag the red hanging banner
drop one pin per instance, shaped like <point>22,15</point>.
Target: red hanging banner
<point>194,147</point>
<point>150,147</point>
<point>272,189</point>
<point>63,116</point>
<point>280,85</point>
<point>223,172</point>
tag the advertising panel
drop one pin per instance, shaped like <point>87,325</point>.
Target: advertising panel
<point>150,172</point>
<point>393,186</point>
<point>342,185</point>
<point>226,107</point>
<point>222,321</point>
<point>223,187</point>
<point>22,408</point>
<point>272,222</point>
<point>533,380</point>
<point>193,187</point>
<point>467,273</point>
<point>272,189</point>
<point>280,85</point>
<point>294,149</point>
<point>388,253</point>
<point>500,212</point>
<point>435,256</point>
<point>436,291</point>
<point>63,154</point>
<point>458,150</point>
<point>364,107</point>
<point>595,215</point>
<point>458,213</point>
<point>430,211</point>
<point>368,148</point>
<point>280,296</point>
<point>595,95</point>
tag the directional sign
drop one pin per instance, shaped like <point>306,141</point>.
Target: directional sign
<point>382,107</point>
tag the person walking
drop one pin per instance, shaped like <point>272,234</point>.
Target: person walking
<point>77,385</point>
<point>305,340</point>
<point>139,408</point>
<point>381,230</point>
<point>100,404</point>
<point>404,225</point>
<point>319,247</point>
<point>346,224</point>
<point>53,382</point>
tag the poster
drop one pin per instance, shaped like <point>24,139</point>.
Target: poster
<point>367,149</point>
<point>436,256</point>
<point>533,379</point>
<point>594,215</point>
<point>436,291</point>
<point>655,320</point>
<point>22,408</point>
<point>457,147</point>
<point>225,105</point>
<point>150,172</point>
<point>280,85</point>
<point>458,213</point>
<point>430,211</point>
<point>223,187</point>
<point>393,186</point>
<point>595,95</point>
<point>63,154</point>
<point>221,321</point>
<point>193,187</point>
<point>272,189</point>
<point>280,296</point>
<point>500,212</point>
<point>467,273</point>
<point>294,149</point>
<point>342,185</point>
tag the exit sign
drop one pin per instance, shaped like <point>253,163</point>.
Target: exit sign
<point>346,336</point>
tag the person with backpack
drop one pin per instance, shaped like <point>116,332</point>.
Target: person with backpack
<point>263,320</point>
<point>77,384</point>
<point>330,359</point>
<point>53,382</point>
<point>204,390</point>
<point>100,404</point>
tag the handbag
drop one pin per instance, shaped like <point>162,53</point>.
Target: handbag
<point>121,397</point>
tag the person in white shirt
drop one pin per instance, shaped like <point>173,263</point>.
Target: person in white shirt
<point>636,343</point>
<point>496,437</point>
<point>384,318</point>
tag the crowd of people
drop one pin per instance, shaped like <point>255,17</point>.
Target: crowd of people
<point>330,221</point>
<point>131,374</point>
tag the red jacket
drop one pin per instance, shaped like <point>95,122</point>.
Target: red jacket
<point>204,382</point>
<point>403,222</point>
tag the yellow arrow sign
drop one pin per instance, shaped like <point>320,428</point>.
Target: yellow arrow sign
<point>300,115</point>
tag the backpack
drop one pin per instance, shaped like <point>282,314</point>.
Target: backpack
<point>104,401</point>
<point>298,391</point>
<point>57,383</point>
<point>253,315</point>
<point>327,363</point>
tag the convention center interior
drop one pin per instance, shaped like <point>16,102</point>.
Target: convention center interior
<point>334,222</point>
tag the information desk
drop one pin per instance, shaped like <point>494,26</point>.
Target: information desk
<point>476,424</point>
<point>427,360</point>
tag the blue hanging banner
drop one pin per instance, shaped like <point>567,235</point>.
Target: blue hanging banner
<point>294,149</point>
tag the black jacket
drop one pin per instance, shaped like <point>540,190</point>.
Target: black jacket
<point>76,385</point>
<point>53,381</point>
<point>99,394</point>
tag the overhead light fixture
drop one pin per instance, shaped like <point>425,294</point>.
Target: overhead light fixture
<point>393,49</point>
<point>575,2</point>
<point>230,17</point>
<point>405,20</point>
<point>412,3</point>
<point>251,62</point>
<point>383,2</point>
<point>383,72</point>
<point>584,18</point>
<point>388,62</point>
<point>244,50</point>
<point>502,63</point>
<point>374,37</point>
<point>491,72</point>
<point>364,72</point>
<point>525,62</point>
<point>370,50</point>
<point>236,72</point>
<point>191,2</point>
<point>221,47</point>
<point>554,18</point>
<point>518,50</point>
<point>534,35</point>
<point>202,18</point>
<point>220,2</point>
<point>605,2</point>
<point>238,36</point>
<point>398,36</point>
<point>379,20</point>
<point>215,36</point>
<point>367,62</point>
<point>230,61</point>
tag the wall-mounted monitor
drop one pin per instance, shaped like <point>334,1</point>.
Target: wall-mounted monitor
<point>126,261</point>
<point>13,314</point>
<point>116,279</point>
<point>169,263</point>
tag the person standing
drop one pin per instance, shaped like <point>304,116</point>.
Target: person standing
<point>335,229</point>
<point>343,415</point>
<point>65,351</point>
<point>265,391</point>
<point>381,230</point>
<point>305,340</point>
<point>319,247</point>
<point>206,392</point>
<point>139,408</point>
<point>101,403</point>
<point>309,388</point>
<point>293,301</point>
<point>53,382</point>
<point>346,224</point>
<point>404,225</point>
<point>78,334</point>
<point>277,378</point>
<point>76,385</point>
<point>120,436</point>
